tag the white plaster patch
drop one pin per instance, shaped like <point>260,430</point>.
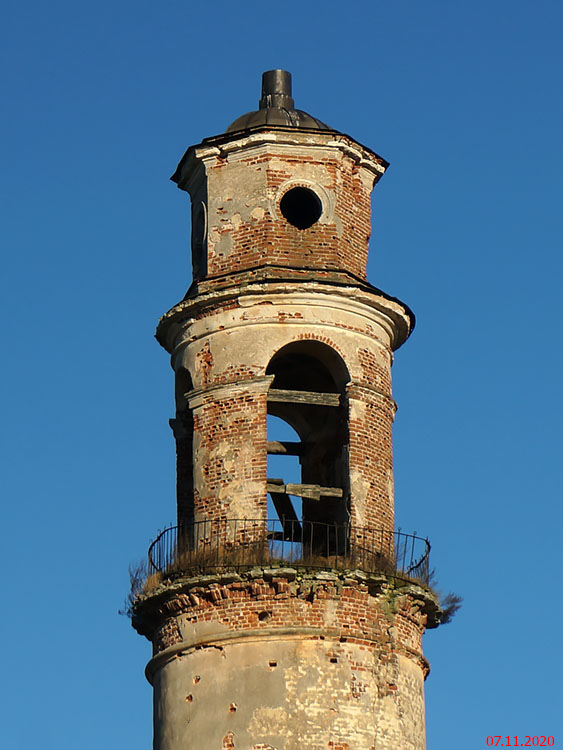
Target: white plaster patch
<point>241,497</point>
<point>191,631</point>
<point>267,720</point>
<point>359,489</point>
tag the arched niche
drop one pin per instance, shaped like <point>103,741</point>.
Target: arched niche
<point>183,427</point>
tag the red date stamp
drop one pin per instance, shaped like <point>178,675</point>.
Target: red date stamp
<point>523,741</point>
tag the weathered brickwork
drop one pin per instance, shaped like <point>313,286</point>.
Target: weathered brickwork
<point>280,320</point>
<point>253,232</point>
<point>229,455</point>
<point>345,607</point>
<point>233,347</point>
<point>371,457</point>
<point>292,659</point>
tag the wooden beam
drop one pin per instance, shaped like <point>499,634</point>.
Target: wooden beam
<point>313,491</point>
<point>285,448</point>
<point>309,491</point>
<point>304,397</point>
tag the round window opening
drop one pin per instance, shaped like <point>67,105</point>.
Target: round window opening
<point>301,207</point>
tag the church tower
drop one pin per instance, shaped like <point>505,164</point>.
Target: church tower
<point>285,613</point>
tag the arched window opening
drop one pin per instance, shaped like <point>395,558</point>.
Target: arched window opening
<point>183,427</point>
<point>285,510</point>
<point>308,393</point>
<point>182,386</point>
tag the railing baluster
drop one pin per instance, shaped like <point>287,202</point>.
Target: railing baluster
<point>239,542</point>
<point>336,542</point>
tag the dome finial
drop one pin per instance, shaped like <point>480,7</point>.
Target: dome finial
<point>276,90</point>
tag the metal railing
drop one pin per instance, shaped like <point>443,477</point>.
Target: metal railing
<point>238,543</point>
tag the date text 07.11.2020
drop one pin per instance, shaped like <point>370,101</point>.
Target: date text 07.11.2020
<point>523,741</point>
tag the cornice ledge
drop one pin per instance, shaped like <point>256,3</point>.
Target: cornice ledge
<point>183,313</point>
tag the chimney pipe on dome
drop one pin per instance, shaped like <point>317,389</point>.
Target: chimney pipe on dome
<point>276,90</point>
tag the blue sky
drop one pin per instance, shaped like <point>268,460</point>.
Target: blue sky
<point>100,102</point>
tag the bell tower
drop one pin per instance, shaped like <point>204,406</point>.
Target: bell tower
<point>285,612</point>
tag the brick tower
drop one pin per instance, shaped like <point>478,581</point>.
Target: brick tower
<point>285,613</point>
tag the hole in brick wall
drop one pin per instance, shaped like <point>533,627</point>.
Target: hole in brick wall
<point>301,207</point>
<point>333,660</point>
<point>263,616</point>
<point>273,664</point>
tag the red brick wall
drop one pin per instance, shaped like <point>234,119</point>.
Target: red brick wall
<point>350,611</point>
<point>371,441</point>
<point>371,458</point>
<point>230,439</point>
<point>272,239</point>
<point>230,456</point>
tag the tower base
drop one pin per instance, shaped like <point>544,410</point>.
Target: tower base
<point>286,659</point>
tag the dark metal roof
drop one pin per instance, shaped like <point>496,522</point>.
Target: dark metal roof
<point>276,107</point>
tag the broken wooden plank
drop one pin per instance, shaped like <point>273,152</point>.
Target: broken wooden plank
<point>313,491</point>
<point>304,397</point>
<point>309,491</point>
<point>284,507</point>
<point>285,448</point>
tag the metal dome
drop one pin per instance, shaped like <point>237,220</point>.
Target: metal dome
<point>276,107</point>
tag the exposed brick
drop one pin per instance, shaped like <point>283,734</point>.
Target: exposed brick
<point>345,654</point>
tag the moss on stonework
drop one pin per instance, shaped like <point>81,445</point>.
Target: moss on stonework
<point>166,596</point>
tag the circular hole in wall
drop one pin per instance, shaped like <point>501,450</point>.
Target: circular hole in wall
<point>301,207</point>
<point>263,616</point>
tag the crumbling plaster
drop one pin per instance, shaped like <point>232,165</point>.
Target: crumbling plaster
<point>227,351</point>
<point>344,662</point>
<point>306,700</point>
<point>248,335</point>
<point>238,183</point>
<point>283,658</point>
